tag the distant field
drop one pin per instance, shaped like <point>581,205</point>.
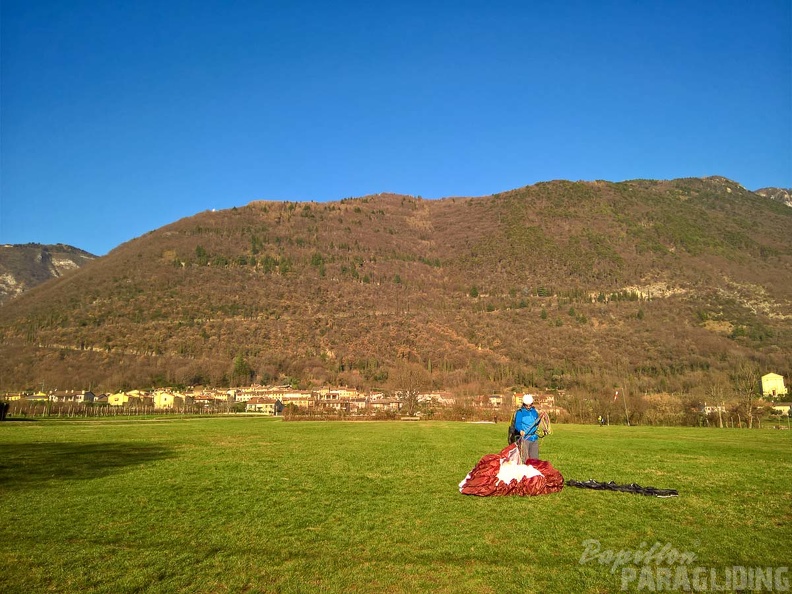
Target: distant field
<point>261,505</point>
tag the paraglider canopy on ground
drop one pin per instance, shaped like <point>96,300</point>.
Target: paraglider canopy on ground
<point>504,474</point>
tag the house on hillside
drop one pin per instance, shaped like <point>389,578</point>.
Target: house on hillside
<point>243,395</point>
<point>336,394</point>
<point>163,399</point>
<point>225,396</point>
<point>436,398</point>
<point>268,406</point>
<point>773,385</point>
<point>710,409</point>
<point>328,395</point>
<point>784,408</point>
<point>84,396</point>
<point>393,404</point>
<point>76,396</point>
<point>358,405</point>
<point>284,394</point>
<point>205,400</point>
<point>121,399</point>
<point>543,401</point>
<point>299,398</point>
<point>338,406</point>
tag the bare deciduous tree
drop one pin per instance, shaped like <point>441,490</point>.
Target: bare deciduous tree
<point>408,381</point>
<point>745,381</point>
<point>715,392</point>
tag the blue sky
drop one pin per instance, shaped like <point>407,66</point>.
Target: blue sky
<point>117,118</point>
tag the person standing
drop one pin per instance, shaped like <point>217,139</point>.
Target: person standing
<point>526,422</point>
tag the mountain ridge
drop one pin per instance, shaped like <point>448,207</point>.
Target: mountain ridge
<point>782,195</point>
<point>23,266</point>
<point>565,285</point>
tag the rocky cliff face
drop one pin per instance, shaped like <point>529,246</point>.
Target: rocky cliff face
<point>782,195</point>
<point>22,267</point>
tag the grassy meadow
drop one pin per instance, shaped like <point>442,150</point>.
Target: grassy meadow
<point>245,504</point>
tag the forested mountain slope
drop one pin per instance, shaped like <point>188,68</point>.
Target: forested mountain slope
<point>667,284</point>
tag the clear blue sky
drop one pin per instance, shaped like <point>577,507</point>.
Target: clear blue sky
<point>118,117</point>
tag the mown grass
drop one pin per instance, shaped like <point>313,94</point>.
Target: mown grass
<point>261,505</point>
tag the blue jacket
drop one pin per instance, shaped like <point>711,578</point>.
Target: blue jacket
<point>526,420</point>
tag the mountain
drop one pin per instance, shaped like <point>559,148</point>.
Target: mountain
<point>648,285</point>
<point>27,265</point>
<point>782,195</point>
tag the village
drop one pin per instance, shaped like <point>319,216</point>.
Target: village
<point>265,400</point>
<point>346,402</point>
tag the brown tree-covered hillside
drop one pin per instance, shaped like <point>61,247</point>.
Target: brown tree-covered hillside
<point>665,285</point>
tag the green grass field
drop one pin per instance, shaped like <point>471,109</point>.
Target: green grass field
<point>260,505</point>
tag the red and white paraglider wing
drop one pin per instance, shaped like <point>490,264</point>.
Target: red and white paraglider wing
<point>503,474</point>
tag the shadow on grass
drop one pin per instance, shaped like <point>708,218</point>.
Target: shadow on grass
<point>32,465</point>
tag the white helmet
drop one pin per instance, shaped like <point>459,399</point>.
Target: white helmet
<point>528,399</point>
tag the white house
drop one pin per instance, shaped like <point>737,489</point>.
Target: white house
<point>773,385</point>
<point>783,407</point>
<point>71,396</point>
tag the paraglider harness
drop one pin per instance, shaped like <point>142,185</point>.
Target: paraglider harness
<point>543,420</point>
